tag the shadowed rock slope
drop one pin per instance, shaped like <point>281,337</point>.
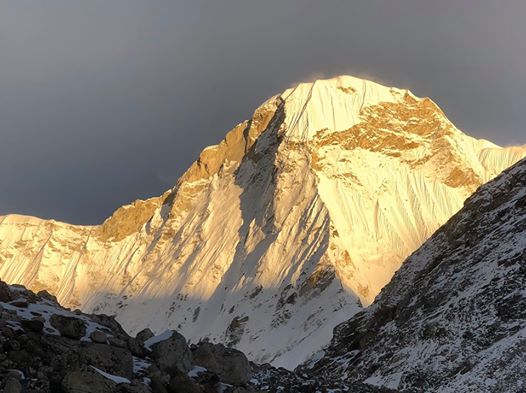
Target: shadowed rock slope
<point>47,348</point>
<point>453,319</point>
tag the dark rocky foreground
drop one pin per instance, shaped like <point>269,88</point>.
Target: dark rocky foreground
<point>47,348</point>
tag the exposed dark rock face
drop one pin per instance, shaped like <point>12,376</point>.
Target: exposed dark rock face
<point>269,379</point>
<point>34,325</point>
<point>235,330</point>
<point>47,348</point>
<point>453,319</point>
<point>70,327</point>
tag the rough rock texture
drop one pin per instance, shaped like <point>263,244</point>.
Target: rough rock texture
<point>71,327</point>
<point>45,361</point>
<point>115,360</point>
<point>173,354</point>
<point>144,335</point>
<point>87,381</point>
<point>268,379</point>
<point>278,233</point>
<point>453,319</point>
<point>98,337</point>
<point>12,385</point>
<point>230,365</point>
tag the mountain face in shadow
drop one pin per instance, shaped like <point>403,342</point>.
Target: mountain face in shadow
<point>453,319</point>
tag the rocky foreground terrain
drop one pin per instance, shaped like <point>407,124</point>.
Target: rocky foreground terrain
<point>47,348</point>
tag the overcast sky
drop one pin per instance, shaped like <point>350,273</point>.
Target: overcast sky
<point>106,101</point>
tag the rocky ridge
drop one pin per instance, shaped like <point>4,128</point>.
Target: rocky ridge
<point>453,319</point>
<point>47,348</point>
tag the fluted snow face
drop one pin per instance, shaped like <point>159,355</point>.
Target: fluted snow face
<point>453,317</point>
<point>332,104</point>
<point>283,230</point>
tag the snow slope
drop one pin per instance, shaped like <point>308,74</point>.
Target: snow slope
<point>274,236</point>
<point>453,319</point>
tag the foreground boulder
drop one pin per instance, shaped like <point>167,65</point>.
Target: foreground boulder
<point>144,335</point>
<point>229,364</point>
<point>87,381</point>
<point>70,327</point>
<point>115,360</point>
<point>34,324</point>
<point>12,385</point>
<point>172,354</point>
<point>98,337</point>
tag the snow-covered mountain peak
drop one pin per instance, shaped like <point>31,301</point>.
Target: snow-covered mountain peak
<point>332,104</point>
<point>296,219</point>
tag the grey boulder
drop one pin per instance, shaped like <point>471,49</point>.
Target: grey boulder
<point>229,364</point>
<point>173,354</point>
<point>70,327</point>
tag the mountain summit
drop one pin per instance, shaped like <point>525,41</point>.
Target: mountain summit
<point>274,236</point>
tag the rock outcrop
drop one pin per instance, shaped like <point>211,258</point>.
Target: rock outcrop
<point>453,319</point>
<point>54,360</point>
<point>229,364</point>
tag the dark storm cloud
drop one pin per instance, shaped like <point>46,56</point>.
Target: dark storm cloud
<point>105,101</point>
